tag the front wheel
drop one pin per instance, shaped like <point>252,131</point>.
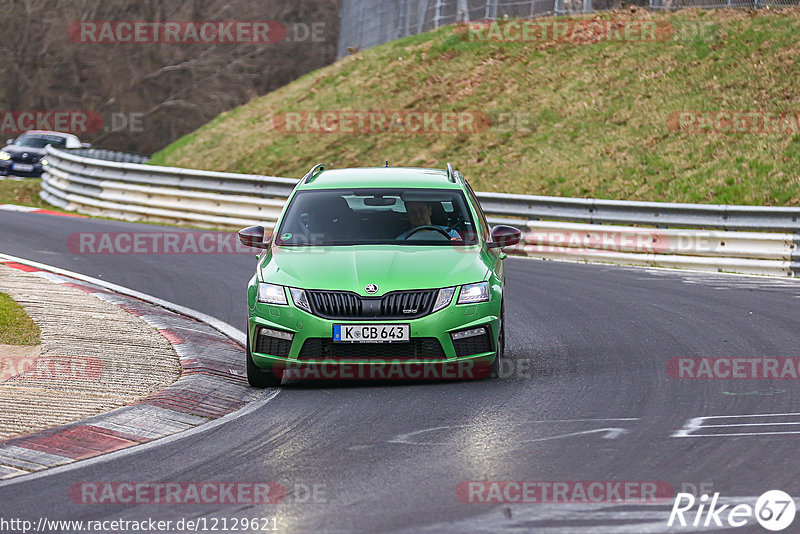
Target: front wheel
<point>258,377</point>
<point>494,370</point>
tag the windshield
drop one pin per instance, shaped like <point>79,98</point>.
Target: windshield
<point>377,216</point>
<point>40,141</point>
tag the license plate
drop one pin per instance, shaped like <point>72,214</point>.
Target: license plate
<point>371,333</point>
<point>23,167</point>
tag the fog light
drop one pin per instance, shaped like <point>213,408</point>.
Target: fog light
<point>275,333</point>
<point>472,332</point>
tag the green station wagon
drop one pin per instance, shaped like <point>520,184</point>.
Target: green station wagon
<point>377,273</point>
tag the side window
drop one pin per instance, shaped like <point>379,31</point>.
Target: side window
<point>479,209</point>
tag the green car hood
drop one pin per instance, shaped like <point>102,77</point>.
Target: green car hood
<point>352,268</point>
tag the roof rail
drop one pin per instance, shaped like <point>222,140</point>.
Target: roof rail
<point>451,174</point>
<point>315,171</point>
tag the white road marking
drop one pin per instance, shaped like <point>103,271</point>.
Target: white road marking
<point>608,432</point>
<point>697,424</point>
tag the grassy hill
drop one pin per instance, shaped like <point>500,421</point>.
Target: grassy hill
<point>567,116</point>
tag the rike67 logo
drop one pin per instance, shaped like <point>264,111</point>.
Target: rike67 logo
<point>774,510</point>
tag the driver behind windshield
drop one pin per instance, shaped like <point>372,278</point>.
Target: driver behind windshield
<point>419,215</point>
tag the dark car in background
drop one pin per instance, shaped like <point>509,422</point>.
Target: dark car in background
<point>23,156</point>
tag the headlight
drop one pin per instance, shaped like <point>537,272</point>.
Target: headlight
<point>443,298</point>
<point>5,156</point>
<point>300,299</point>
<point>472,293</point>
<point>271,294</point>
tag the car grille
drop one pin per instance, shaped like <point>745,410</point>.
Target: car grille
<point>394,305</point>
<point>335,304</point>
<point>25,157</point>
<point>473,345</point>
<point>273,345</point>
<point>420,348</point>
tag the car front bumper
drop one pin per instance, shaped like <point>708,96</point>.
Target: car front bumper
<point>305,327</point>
<point>7,169</point>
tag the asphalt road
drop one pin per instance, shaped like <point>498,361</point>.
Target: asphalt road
<point>585,396</point>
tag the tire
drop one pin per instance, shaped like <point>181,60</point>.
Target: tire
<point>258,377</point>
<point>494,370</point>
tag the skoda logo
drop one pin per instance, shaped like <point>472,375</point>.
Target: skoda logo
<point>371,288</point>
<point>25,155</point>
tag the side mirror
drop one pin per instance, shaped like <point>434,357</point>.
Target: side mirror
<point>253,236</point>
<point>504,236</point>
<point>10,141</point>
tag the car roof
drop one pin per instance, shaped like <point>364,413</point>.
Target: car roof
<point>390,177</point>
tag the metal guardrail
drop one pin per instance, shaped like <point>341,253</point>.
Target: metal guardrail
<point>662,214</point>
<point>744,239</point>
<point>163,194</point>
<point>765,253</point>
<point>109,155</point>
